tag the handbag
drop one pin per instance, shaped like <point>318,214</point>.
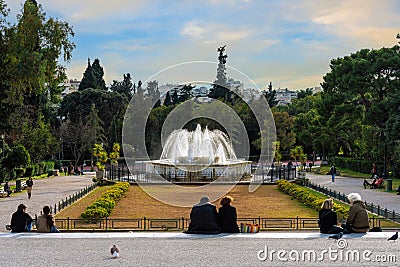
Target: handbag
<point>249,228</point>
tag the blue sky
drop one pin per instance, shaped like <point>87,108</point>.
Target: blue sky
<point>287,42</point>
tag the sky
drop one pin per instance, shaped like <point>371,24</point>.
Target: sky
<point>288,42</point>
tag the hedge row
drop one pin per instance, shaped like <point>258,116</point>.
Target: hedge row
<point>103,206</point>
<point>310,200</point>
<point>40,168</point>
<point>358,165</point>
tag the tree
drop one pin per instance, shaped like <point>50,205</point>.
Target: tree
<point>125,87</point>
<point>17,157</point>
<point>114,155</point>
<point>167,100</point>
<point>31,68</point>
<point>303,93</point>
<point>360,87</point>
<point>88,80</point>
<point>82,132</point>
<point>98,73</point>
<point>297,153</point>
<point>185,92</point>
<point>284,133</point>
<point>175,97</point>
<point>220,89</point>
<point>270,96</point>
<point>100,153</point>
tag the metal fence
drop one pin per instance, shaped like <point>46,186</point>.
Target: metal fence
<point>260,171</point>
<point>181,224</point>
<point>371,207</point>
<point>57,207</point>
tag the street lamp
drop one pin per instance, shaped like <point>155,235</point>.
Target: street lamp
<point>2,139</point>
<point>61,119</point>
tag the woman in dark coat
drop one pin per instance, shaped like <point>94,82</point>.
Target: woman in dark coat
<point>227,216</point>
<point>328,219</point>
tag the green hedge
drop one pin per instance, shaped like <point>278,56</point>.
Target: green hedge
<point>103,206</point>
<point>358,165</point>
<point>310,200</point>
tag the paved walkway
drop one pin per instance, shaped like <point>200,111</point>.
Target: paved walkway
<point>177,249</point>
<point>45,192</point>
<point>349,185</point>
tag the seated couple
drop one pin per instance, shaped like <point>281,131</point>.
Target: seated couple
<point>21,221</point>
<point>357,221</point>
<point>204,218</point>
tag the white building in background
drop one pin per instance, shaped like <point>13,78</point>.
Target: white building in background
<point>69,86</point>
<point>315,89</point>
<point>285,96</point>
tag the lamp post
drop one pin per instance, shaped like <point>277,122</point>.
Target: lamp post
<point>385,157</point>
<point>2,139</point>
<point>61,119</point>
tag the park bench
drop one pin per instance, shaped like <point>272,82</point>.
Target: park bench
<point>2,192</point>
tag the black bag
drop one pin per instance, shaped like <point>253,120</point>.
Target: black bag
<point>375,229</point>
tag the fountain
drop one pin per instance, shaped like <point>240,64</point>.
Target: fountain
<point>200,155</point>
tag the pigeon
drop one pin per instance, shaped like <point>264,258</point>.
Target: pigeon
<point>394,237</point>
<point>115,252</point>
<point>337,236</point>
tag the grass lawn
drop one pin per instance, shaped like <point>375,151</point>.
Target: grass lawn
<point>267,202</point>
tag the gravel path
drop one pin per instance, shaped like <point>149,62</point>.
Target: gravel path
<point>45,192</point>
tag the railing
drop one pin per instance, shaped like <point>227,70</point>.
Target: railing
<point>57,207</point>
<point>261,171</point>
<point>371,207</point>
<point>181,224</point>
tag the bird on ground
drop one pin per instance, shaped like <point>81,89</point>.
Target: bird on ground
<point>337,236</point>
<point>394,237</point>
<point>115,252</point>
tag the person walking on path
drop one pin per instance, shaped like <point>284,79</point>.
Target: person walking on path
<point>333,173</point>
<point>29,185</point>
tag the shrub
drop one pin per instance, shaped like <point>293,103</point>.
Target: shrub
<point>307,198</point>
<point>103,206</point>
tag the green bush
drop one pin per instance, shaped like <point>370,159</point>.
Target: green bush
<point>307,198</point>
<point>358,165</point>
<point>103,206</point>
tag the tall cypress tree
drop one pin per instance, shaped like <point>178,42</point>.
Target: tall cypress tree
<point>167,100</point>
<point>98,73</point>
<point>88,80</point>
<point>220,88</point>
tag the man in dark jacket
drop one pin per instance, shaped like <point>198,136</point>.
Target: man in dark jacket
<point>204,218</point>
<point>20,220</point>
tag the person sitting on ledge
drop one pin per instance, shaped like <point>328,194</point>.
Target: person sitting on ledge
<point>357,221</point>
<point>328,219</point>
<point>204,218</point>
<point>227,216</point>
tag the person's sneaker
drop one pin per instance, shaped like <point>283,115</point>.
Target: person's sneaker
<point>8,227</point>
